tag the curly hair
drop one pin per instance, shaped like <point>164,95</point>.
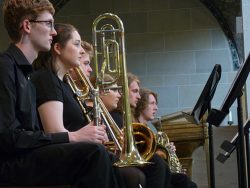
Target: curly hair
<point>15,11</point>
<point>143,102</point>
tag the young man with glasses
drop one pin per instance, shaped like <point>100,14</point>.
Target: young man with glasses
<point>29,156</point>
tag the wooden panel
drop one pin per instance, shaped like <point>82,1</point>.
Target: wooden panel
<point>186,136</point>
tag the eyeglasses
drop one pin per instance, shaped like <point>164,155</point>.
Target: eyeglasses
<point>48,23</point>
<point>115,89</point>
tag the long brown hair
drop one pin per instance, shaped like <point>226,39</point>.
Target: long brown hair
<point>46,59</point>
<point>131,78</point>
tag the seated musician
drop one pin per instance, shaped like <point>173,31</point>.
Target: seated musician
<point>60,112</point>
<point>156,174</point>
<point>110,97</point>
<point>132,177</point>
<point>29,156</point>
<point>177,180</point>
<point>145,112</point>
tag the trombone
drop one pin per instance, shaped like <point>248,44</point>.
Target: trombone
<point>111,51</point>
<point>83,89</point>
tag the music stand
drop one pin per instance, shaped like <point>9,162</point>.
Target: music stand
<point>215,117</point>
<point>204,101</point>
<point>229,147</point>
<point>202,105</point>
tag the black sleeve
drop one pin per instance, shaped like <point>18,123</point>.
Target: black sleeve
<point>50,88</point>
<point>14,135</point>
<point>117,116</point>
<point>47,86</point>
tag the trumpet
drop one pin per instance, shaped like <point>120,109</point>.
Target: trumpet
<point>111,50</point>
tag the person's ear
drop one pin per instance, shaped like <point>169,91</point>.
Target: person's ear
<point>57,48</point>
<point>26,25</point>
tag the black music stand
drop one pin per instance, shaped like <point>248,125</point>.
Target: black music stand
<point>202,105</point>
<point>215,117</point>
<point>229,147</point>
<point>204,102</point>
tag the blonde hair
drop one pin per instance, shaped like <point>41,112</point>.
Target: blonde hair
<point>132,78</point>
<point>88,48</point>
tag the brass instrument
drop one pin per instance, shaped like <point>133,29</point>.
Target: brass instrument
<point>145,140</point>
<point>172,159</point>
<point>186,135</point>
<point>115,131</point>
<point>80,88</point>
<point>112,54</point>
<point>81,81</point>
<point>163,143</point>
<point>77,80</point>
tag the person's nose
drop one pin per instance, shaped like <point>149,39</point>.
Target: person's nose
<point>90,69</point>
<point>156,107</point>
<point>138,96</point>
<point>118,95</point>
<point>82,51</point>
<point>53,32</point>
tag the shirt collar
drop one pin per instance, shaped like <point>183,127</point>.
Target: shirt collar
<point>20,60</point>
<point>18,55</point>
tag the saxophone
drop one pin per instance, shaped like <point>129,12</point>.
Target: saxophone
<point>172,159</point>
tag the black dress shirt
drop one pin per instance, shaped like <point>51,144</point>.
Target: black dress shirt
<point>19,127</point>
<point>117,116</point>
